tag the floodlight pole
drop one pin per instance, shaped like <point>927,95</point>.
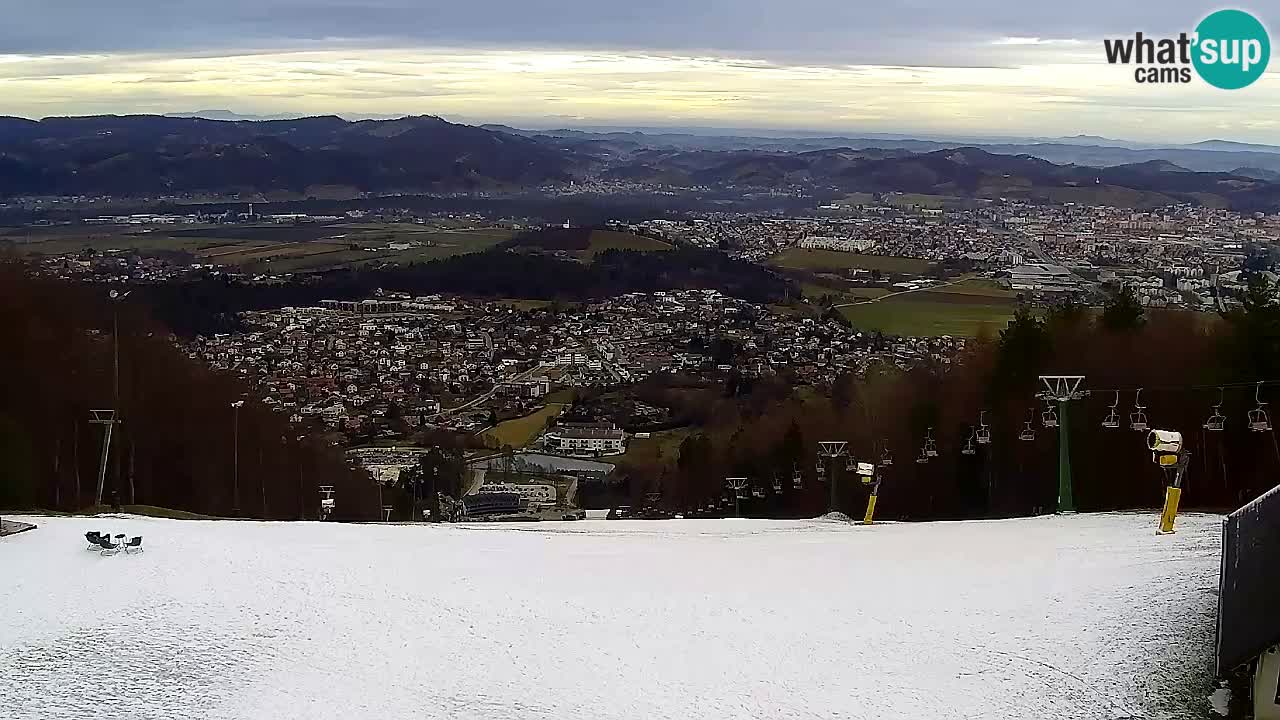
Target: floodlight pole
<point>106,418</point>
<point>1063,389</point>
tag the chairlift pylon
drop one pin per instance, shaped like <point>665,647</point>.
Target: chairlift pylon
<point>1217,421</point>
<point>1112,420</point>
<point>1138,418</point>
<point>1259,421</point>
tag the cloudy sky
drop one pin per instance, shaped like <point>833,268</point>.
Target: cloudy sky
<point>983,67</point>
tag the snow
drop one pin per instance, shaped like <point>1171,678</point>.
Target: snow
<point>1081,616</point>
<point>1220,701</point>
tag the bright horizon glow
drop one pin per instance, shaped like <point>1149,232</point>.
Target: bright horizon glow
<point>1031,87</point>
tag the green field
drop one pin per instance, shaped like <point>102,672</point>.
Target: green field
<point>602,240</point>
<point>928,317</point>
<point>919,200</point>
<point>520,431</point>
<point>272,248</point>
<point>819,260</point>
<point>660,447</point>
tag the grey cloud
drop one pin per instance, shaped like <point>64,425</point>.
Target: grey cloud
<point>914,32</point>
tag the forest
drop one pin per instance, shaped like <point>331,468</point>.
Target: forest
<point>210,304</point>
<point>767,429</point>
<point>175,443</point>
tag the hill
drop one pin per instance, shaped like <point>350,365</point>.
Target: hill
<point>154,156</point>
<point>147,155</point>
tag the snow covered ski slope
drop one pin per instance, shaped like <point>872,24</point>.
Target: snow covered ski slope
<point>1085,616</point>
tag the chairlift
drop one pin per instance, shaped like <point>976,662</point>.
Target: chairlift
<point>1112,420</point>
<point>1259,421</point>
<point>1138,418</point>
<point>797,480</point>
<point>1049,418</point>
<point>968,448</point>
<point>850,465</point>
<point>1217,420</point>
<point>930,447</point>
<point>886,458</point>
<point>777,484</point>
<point>822,469</point>
<point>983,433</point>
<point>1028,428</point>
<point>924,457</point>
<point>757,492</point>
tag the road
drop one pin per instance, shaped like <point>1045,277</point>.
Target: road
<point>904,292</point>
<point>481,398</point>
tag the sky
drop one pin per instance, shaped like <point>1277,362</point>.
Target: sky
<point>977,67</point>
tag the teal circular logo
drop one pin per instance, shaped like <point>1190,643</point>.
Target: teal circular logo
<point>1232,49</point>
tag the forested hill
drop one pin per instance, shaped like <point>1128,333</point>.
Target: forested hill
<point>173,447</point>
<point>147,156</point>
<point>210,305</point>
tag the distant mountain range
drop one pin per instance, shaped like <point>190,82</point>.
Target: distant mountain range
<point>148,155</point>
<point>1206,156</point>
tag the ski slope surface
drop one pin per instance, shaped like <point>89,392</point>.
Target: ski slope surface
<point>1083,616</point>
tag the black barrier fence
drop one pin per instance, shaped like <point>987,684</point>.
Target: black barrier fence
<point>1249,586</point>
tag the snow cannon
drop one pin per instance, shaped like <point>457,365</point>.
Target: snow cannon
<point>1165,441</point>
<point>1168,452</point>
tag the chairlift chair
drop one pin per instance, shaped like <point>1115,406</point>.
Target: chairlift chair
<point>1259,421</point>
<point>822,469</point>
<point>777,484</point>
<point>930,447</point>
<point>1049,418</point>
<point>968,448</point>
<point>886,458</point>
<point>1028,432</point>
<point>924,457</point>
<point>850,465</point>
<point>797,480</point>
<point>983,433</point>
<point>1138,418</point>
<point>1112,420</point>
<point>1217,420</point>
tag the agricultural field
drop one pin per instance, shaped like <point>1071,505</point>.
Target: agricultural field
<point>519,432</point>
<point>820,260</point>
<point>925,318</point>
<point>659,447</point>
<point>272,248</point>
<point>602,240</point>
<point>965,309</point>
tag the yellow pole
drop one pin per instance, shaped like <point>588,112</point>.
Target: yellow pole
<point>1171,497</point>
<point>871,509</point>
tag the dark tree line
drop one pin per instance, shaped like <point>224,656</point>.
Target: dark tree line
<point>210,304</point>
<point>175,443</point>
<point>766,429</point>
